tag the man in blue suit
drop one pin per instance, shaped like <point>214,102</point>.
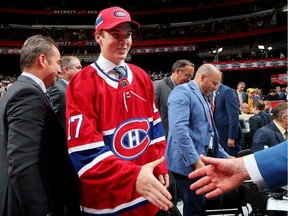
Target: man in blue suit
<point>267,167</point>
<point>191,133</point>
<point>226,116</point>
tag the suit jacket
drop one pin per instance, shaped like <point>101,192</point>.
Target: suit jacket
<point>30,156</point>
<point>162,90</point>
<point>190,129</point>
<point>272,164</point>
<point>58,96</point>
<point>226,116</point>
<point>269,135</point>
<point>71,200</point>
<point>244,97</point>
<point>257,121</point>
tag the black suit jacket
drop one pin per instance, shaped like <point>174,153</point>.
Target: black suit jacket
<point>31,160</point>
<point>257,121</point>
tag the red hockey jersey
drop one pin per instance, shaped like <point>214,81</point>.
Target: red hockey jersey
<point>113,128</point>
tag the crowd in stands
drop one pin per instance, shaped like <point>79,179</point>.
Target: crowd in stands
<point>207,27</point>
<point>6,81</point>
<point>131,5</point>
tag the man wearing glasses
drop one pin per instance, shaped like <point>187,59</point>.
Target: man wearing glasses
<point>182,72</point>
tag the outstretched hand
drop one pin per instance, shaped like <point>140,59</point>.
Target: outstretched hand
<point>152,189</point>
<point>222,175</point>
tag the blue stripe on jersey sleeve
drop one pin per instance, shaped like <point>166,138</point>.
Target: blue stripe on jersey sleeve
<point>82,158</point>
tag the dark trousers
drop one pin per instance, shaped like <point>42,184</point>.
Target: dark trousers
<point>193,204</point>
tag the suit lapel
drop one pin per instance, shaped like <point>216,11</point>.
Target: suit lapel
<point>169,83</point>
<point>29,80</point>
<point>199,95</point>
<point>62,83</point>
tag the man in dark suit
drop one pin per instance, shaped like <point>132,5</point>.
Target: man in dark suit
<point>280,95</point>
<point>226,117</point>
<point>70,65</point>
<point>241,95</point>
<point>30,158</point>
<point>273,133</point>
<point>182,72</point>
<point>259,119</point>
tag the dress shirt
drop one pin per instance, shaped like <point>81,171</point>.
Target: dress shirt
<point>108,67</point>
<point>281,129</point>
<point>64,80</point>
<point>252,169</point>
<point>36,79</point>
<point>174,83</point>
<point>268,166</point>
<point>240,97</point>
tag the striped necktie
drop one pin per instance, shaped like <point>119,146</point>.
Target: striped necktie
<point>49,98</point>
<point>120,71</point>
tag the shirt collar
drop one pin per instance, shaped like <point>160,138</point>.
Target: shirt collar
<point>107,65</point>
<point>174,83</point>
<point>64,80</point>
<point>282,130</point>
<point>36,79</point>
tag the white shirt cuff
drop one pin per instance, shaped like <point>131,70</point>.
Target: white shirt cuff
<point>252,169</point>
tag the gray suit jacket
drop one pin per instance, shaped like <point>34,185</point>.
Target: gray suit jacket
<point>58,97</point>
<point>162,90</point>
<point>31,158</point>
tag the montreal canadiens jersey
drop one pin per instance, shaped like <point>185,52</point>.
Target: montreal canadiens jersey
<point>113,128</point>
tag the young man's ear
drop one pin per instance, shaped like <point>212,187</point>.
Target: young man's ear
<point>97,37</point>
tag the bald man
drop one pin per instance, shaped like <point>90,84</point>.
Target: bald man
<point>192,132</point>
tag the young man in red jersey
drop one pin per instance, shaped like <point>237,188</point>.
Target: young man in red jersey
<point>115,136</point>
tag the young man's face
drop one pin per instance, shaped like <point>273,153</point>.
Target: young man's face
<point>115,43</point>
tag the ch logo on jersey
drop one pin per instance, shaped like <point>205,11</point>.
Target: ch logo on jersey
<point>131,138</point>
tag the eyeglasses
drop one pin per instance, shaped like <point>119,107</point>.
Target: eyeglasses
<point>189,76</point>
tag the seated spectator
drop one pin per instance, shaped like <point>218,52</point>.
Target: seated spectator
<point>268,108</point>
<point>261,95</point>
<point>256,95</point>
<point>250,92</point>
<point>274,132</point>
<point>244,108</point>
<point>272,96</point>
<point>259,119</point>
<point>280,95</point>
